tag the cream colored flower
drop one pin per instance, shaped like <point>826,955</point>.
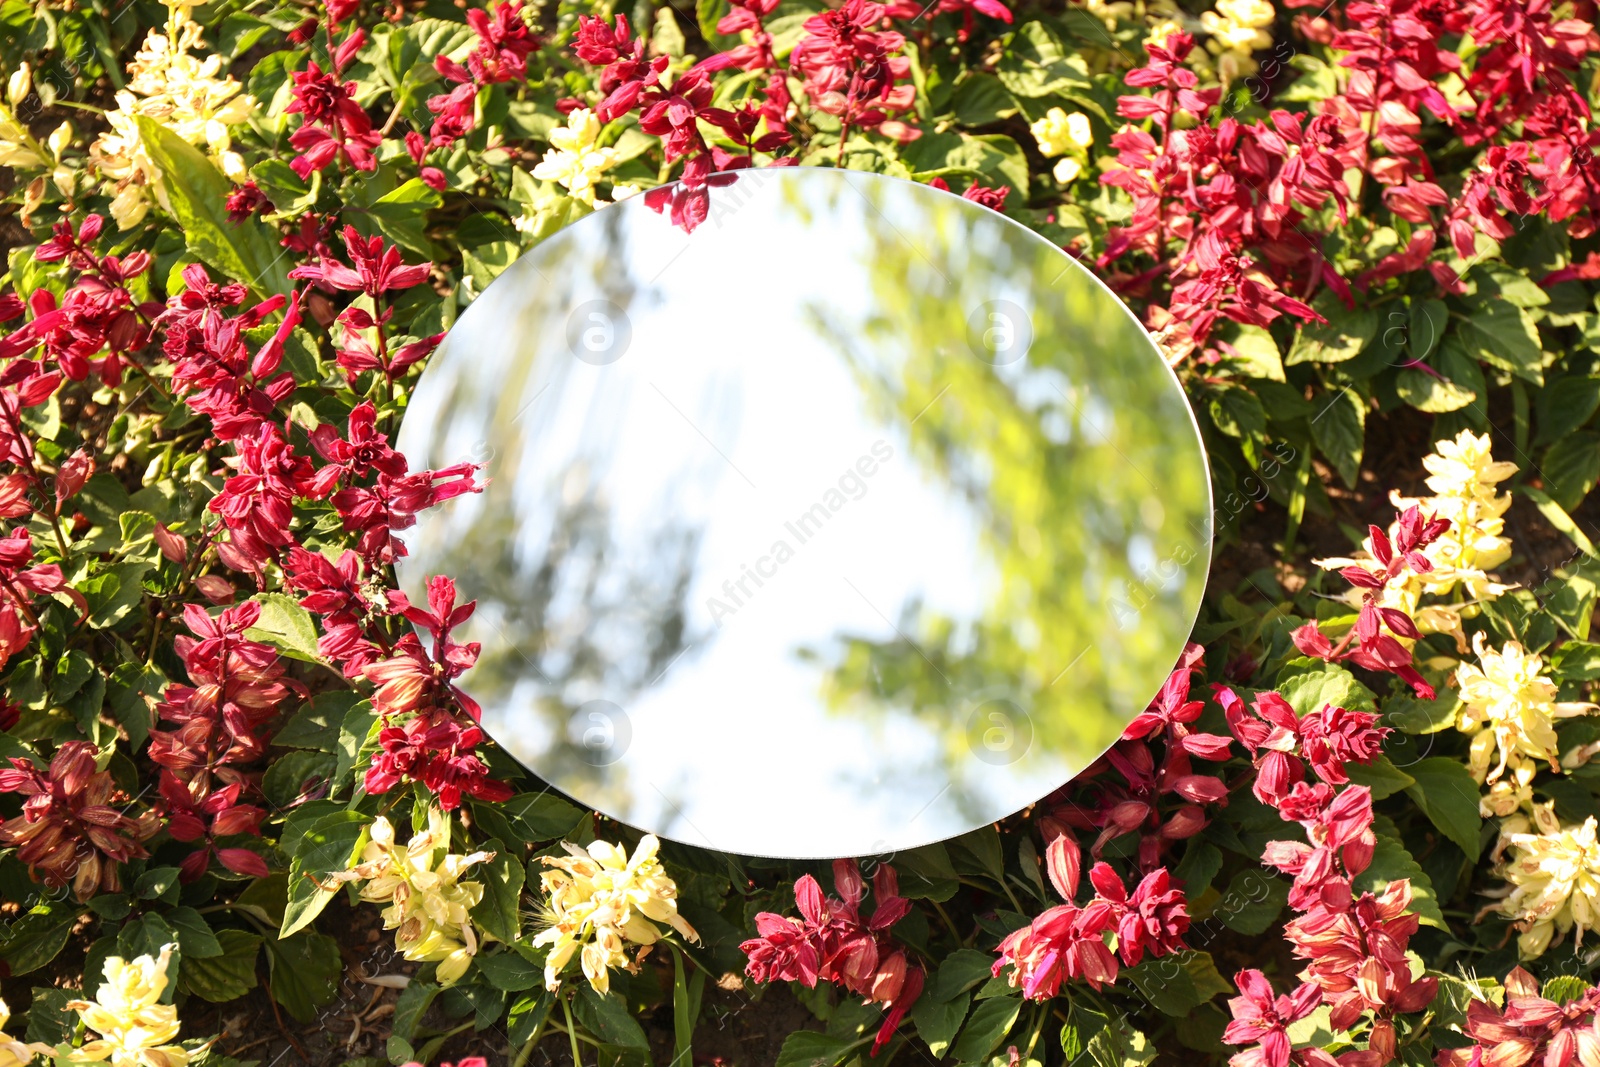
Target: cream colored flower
<point>182,92</point>
<point>428,903</point>
<point>1240,25</point>
<point>1161,31</point>
<point>15,1053</point>
<point>574,159</point>
<point>1555,880</point>
<point>1462,475</point>
<point>135,1028</point>
<point>1059,132</point>
<point>602,900</point>
<point>1509,706</point>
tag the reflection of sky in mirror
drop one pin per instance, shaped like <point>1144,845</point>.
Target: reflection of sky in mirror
<point>773,532</point>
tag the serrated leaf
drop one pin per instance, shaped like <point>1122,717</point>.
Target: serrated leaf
<point>988,1025</point>
<point>807,1048</point>
<point>1571,467</point>
<point>1447,794</point>
<point>1390,863</point>
<point>227,976</point>
<point>1037,64</point>
<point>1252,901</point>
<point>499,911</point>
<point>286,626</point>
<point>1342,337</point>
<point>305,972</point>
<point>1503,336</point>
<point>1339,430</point>
<point>1381,776</point>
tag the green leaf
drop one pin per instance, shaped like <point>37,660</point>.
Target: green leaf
<point>980,99</point>
<point>1447,794</point>
<point>926,874</point>
<point>1339,430</point>
<point>1381,776</point>
<point>1252,901</point>
<point>326,848</point>
<point>283,781</point>
<point>539,816</point>
<point>1037,64</point>
<point>1576,661</point>
<point>1237,412</point>
<point>499,912</point>
<point>1456,381</point>
<point>37,938</point>
<point>1118,1045</point>
<point>1571,467</point>
<point>286,626</point>
<point>195,936</point>
<point>316,724</point>
<point>938,1020</point>
<point>807,1048</point>
<point>227,976</point>
<point>113,593</point>
<point>686,993</point>
<point>509,971</point>
<point>50,1021</point>
<point>1256,353</point>
<point>1428,321</point>
<point>1208,981</point>
<point>1390,863</point>
<point>1565,404</point>
<point>1341,338</point>
<point>606,1016</point>
<point>401,215</point>
<point>991,1021</point>
<point>1503,336</point>
<point>357,727</point>
<point>527,1015</point>
<point>411,1007</point>
<point>1309,684</point>
<point>305,972</point>
<point>198,193</point>
<point>1414,716</point>
<point>1165,984</point>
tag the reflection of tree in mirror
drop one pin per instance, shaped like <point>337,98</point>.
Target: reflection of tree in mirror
<point>1093,522</point>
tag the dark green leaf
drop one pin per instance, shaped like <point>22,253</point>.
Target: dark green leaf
<point>227,976</point>
<point>1447,794</point>
<point>499,911</point>
<point>990,1022</point>
<point>1570,467</point>
<point>305,972</point>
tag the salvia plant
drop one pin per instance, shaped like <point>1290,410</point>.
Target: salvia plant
<point>246,808</point>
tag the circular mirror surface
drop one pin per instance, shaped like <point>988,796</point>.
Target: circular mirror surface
<point>857,518</point>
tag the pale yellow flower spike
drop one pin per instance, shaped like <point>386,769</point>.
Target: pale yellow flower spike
<point>1238,29</point>
<point>135,1028</point>
<point>575,161</point>
<point>1462,473</point>
<point>602,900</point>
<point>428,903</point>
<point>13,1052</point>
<point>181,92</point>
<point>1555,885</point>
<point>1509,706</point>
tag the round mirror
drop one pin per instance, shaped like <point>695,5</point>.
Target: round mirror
<point>855,518</point>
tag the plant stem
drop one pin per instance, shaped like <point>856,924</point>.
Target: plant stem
<point>572,1032</point>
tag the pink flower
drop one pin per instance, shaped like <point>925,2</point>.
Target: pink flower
<point>376,268</point>
<point>1261,1019</point>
